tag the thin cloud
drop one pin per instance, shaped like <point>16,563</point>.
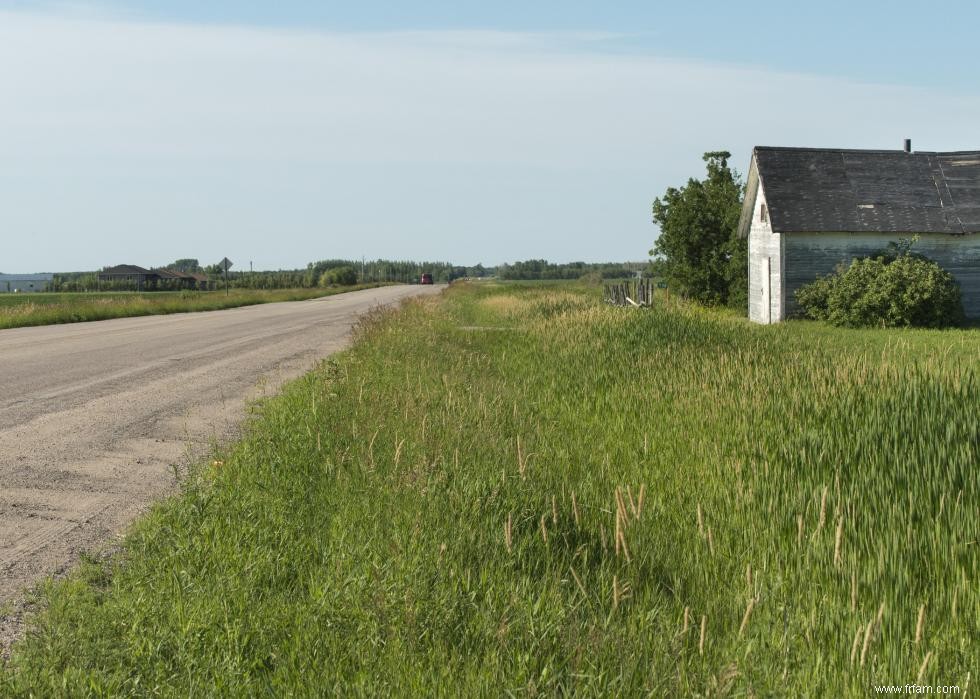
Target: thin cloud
<point>246,130</point>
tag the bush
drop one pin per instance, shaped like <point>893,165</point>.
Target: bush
<point>591,279</point>
<point>814,297</point>
<point>892,289</point>
<point>339,276</point>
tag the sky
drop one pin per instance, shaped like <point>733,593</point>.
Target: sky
<point>282,133</point>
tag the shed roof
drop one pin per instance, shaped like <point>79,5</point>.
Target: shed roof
<point>865,191</point>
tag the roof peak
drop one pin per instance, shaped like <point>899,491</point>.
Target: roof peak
<point>891,151</point>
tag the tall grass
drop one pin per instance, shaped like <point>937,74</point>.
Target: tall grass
<point>24,310</point>
<point>518,490</point>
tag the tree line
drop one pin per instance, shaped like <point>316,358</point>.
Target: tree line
<point>319,273</point>
<point>340,271</point>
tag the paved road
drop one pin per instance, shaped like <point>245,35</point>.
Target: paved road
<point>93,416</point>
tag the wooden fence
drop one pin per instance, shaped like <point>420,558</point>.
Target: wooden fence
<point>637,293</point>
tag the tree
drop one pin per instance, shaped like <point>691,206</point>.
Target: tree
<point>339,276</point>
<point>187,264</point>
<point>703,258</point>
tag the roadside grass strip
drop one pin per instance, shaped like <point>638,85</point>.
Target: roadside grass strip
<point>518,490</point>
<point>26,310</point>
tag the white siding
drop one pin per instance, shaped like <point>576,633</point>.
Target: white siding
<point>808,255</point>
<point>766,297</point>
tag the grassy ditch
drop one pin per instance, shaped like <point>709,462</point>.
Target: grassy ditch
<point>23,310</point>
<point>515,489</point>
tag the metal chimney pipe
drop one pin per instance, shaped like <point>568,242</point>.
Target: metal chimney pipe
<point>908,145</point>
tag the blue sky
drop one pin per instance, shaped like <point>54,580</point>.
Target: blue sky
<point>285,132</point>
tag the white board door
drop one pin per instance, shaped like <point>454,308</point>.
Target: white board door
<point>767,292</point>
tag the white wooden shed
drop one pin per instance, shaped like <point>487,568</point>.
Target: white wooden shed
<point>806,210</point>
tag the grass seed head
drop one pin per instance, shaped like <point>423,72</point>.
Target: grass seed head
<point>856,644</point>
<point>867,641</point>
<point>922,668</point>
<point>837,542</point>
<point>745,617</point>
<point>823,511</point>
<point>920,624</point>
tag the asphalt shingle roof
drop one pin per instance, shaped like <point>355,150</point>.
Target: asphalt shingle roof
<point>858,191</point>
<point>125,269</point>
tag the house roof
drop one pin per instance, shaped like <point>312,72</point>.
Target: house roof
<point>177,274</point>
<point>169,274</point>
<point>125,269</point>
<point>865,191</point>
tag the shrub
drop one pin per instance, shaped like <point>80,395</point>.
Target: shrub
<point>591,278</point>
<point>814,297</point>
<point>894,288</point>
<point>339,276</point>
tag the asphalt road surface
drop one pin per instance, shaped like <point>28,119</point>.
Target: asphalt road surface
<point>95,416</point>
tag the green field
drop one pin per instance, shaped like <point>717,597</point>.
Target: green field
<point>22,310</point>
<point>514,489</point>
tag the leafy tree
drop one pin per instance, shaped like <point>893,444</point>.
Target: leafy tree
<point>702,256</point>
<point>339,276</point>
<point>186,264</point>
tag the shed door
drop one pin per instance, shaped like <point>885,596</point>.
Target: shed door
<point>767,292</point>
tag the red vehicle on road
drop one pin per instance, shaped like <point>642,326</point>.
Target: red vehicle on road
<point>426,278</point>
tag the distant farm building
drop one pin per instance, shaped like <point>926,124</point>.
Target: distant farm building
<point>24,283</point>
<point>152,279</point>
<point>808,210</point>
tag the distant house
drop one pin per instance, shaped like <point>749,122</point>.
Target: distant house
<point>129,274</point>
<point>171,278</point>
<point>200,281</point>
<point>152,279</point>
<point>23,283</point>
<point>807,210</point>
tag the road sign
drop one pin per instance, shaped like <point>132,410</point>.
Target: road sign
<point>661,285</point>
<point>224,265</point>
